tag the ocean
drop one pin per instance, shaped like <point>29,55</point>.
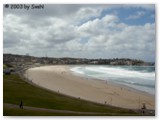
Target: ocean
<point>138,77</point>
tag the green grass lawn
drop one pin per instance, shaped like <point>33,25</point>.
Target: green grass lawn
<point>4,66</point>
<point>24,112</point>
<point>15,90</point>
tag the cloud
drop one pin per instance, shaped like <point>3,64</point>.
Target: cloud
<point>97,26</point>
<point>78,31</point>
<point>138,14</point>
<point>119,39</point>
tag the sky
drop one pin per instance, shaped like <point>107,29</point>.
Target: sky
<point>82,31</point>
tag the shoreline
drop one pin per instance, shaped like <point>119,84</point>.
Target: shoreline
<point>111,82</point>
<point>61,79</point>
<point>117,85</point>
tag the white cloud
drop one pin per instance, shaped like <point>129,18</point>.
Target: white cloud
<point>119,39</point>
<point>60,35</point>
<point>86,13</point>
<point>138,14</point>
<point>98,26</point>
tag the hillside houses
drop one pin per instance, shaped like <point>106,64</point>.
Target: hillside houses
<point>24,60</point>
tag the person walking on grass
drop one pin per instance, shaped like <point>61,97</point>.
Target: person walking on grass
<point>21,105</point>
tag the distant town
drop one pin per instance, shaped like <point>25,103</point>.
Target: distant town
<point>20,60</point>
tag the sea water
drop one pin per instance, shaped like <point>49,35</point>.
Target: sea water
<point>138,77</point>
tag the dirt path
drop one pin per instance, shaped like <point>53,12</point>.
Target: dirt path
<point>50,110</point>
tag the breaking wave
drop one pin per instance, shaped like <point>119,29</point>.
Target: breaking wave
<point>138,77</point>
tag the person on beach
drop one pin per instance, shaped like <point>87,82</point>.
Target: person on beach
<point>21,105</point>
<point>143,108</point>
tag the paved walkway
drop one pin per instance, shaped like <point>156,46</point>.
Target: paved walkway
<point>50,110</point>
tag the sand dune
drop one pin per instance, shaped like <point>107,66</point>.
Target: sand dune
<point>60,79</point>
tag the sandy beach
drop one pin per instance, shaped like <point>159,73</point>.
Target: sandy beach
<point>61,79</point>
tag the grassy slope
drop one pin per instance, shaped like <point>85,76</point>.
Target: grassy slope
<point>24,112</point>
<point>15,90</point>
<point>4,66</point>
